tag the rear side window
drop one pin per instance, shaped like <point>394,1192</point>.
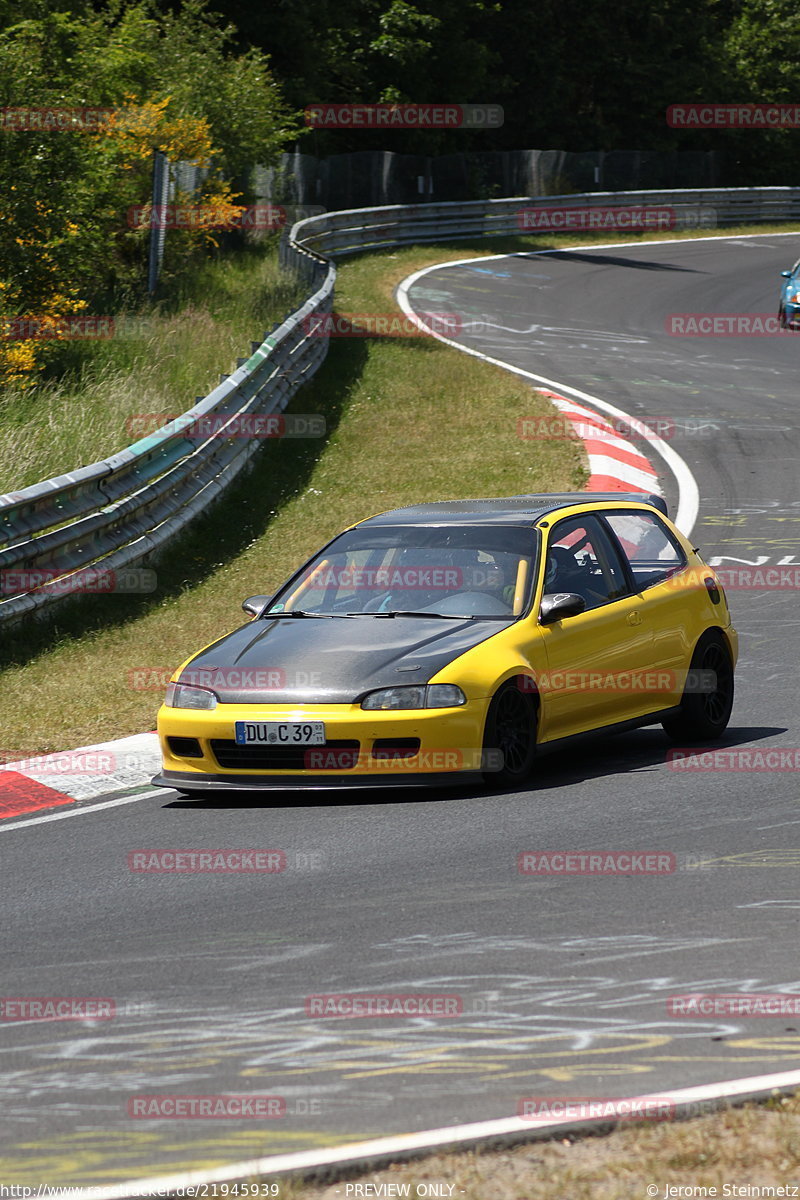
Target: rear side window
<point>649,547</point>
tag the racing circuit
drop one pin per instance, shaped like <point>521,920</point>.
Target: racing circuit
<point>564,979</point>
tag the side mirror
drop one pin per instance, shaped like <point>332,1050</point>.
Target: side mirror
<point>558,605</point>
<point>255,605</point>
<point>786,274</point>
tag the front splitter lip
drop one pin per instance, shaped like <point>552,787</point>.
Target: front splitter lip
<point>180,781</point>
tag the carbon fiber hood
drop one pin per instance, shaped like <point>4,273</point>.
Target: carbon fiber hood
<point>331,660</point>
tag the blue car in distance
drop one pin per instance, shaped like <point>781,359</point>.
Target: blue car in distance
<point>789,310</point>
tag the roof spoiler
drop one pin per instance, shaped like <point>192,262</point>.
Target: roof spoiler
<point>587,497</point>
<point>638,497</point>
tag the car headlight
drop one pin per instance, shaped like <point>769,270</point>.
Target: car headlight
<point>181,695</point>
<point>435,695</point>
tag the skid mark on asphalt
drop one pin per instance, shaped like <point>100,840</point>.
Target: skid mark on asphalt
<point>536,1035</point>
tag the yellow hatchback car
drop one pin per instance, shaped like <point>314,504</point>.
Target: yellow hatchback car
<point>446,642</point>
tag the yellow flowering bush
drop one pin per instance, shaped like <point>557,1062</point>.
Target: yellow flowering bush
<point>167,81</point>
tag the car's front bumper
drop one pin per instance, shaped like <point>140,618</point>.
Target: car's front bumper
<point>180,781</point>
<point>363,749</point>
<point>791,315</point>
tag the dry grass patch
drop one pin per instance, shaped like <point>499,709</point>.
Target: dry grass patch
<point>757,1146</point>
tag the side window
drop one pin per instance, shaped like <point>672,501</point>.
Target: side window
<point>581,558</point>
<point>651,550</point>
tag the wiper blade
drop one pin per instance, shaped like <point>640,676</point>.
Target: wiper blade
<point>300,612</point>
<point>410,612</point>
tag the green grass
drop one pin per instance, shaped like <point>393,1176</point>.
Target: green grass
<point>408,420</point>
<point>159,360</point>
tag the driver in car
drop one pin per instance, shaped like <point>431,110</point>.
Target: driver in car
<point>486,574</point>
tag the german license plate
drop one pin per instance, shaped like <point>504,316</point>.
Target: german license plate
<point>280,733</point>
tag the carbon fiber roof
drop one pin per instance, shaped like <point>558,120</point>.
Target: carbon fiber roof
<point>509,510</point>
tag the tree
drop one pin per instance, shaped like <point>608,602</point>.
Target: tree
<point>173,82</point>
<point>371,51</point>
<point>762,51</point>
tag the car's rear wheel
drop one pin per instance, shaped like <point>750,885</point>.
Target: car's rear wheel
<point>509,740</point>
<point>705,714</point>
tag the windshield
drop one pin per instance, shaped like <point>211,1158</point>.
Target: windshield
<point>470,571</point>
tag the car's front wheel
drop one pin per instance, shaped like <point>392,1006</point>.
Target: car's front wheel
<point>707,700</point>
<point>509,741</point>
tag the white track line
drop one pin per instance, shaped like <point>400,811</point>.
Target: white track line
<point>688,493</point>
<point>80,812</point>
<point>410,1145</point>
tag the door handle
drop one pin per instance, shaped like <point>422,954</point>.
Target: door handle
<point>634,618</point>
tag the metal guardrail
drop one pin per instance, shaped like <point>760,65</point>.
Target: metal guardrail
<point>359,229</point>
<point>118,512</point>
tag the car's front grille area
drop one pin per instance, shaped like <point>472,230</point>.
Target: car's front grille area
<point>339,755</point>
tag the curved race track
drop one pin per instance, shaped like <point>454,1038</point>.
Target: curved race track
<point>564,980</point>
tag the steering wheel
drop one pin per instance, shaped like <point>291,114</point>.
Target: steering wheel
<point>378,603</point>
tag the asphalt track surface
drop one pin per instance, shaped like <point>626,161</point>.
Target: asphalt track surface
<point>563,980</point>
